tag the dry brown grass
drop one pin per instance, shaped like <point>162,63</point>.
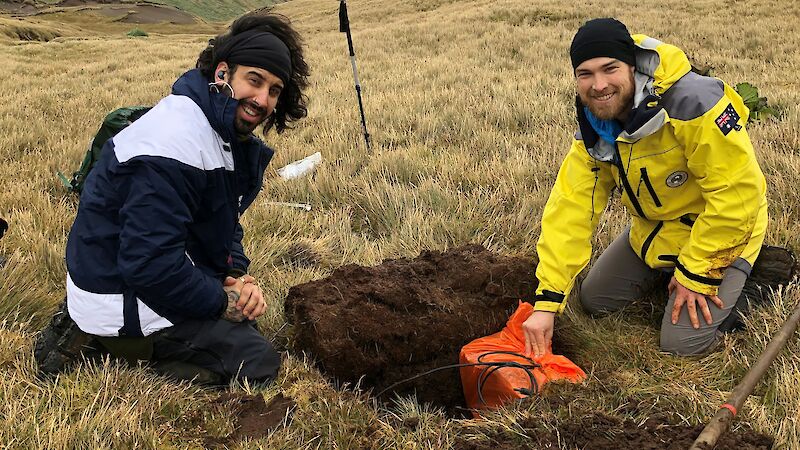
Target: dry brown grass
<point>20,30</point>
<point>469,104</point>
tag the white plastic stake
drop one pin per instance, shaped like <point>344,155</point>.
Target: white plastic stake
<point>301,167</point>
<point>304,206</point>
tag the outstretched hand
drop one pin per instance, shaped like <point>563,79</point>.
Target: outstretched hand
<point>693,300</point>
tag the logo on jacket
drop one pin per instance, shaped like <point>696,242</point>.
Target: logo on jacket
<point>676,179</point>
<point>727,121</point>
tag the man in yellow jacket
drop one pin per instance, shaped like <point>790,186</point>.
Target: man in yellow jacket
<point>674,144</point>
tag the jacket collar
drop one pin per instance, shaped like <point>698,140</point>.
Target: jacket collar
<point>219,109</point>
<point>658,67</point>
<point>251,155</point>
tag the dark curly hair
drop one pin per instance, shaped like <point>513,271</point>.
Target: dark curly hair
<point>292,102</point>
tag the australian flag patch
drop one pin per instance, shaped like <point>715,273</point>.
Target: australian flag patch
<point>727,121</point>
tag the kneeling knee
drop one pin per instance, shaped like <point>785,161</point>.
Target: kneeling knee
<point>590,300</point>
<point>260,366</point>
<point>686,346</point>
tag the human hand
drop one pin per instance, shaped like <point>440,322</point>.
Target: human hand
<point>251,300</point>
<point>538,330</point>
<point>692,300</point>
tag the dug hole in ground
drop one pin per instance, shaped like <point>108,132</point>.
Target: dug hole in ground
<point>376,326</point>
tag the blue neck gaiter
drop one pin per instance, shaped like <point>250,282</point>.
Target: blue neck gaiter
<point>608,130</point>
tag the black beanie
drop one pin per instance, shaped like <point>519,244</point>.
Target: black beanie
<point>602,37</point>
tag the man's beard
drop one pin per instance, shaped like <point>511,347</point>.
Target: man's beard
<point>617,108</point>
<point>244,127</point>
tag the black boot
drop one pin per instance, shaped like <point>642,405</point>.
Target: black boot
<point>774,267</point>
<point>60,345</point>
<point>751,295</point>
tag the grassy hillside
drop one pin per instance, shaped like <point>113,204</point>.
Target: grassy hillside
<point>212,10</point>
<point>470,106</point>
<point>216,10</point>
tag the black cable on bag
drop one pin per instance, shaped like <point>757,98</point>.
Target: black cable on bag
<point>491,367</point>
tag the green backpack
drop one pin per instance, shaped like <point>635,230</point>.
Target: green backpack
<point>114,122</point>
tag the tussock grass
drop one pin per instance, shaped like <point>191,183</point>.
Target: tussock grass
<point>470,108</point>
<point>26,31</point>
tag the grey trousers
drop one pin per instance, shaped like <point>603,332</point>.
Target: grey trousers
<point>620,277</point>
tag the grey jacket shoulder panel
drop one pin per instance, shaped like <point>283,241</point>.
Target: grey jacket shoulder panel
<point>692,96</point>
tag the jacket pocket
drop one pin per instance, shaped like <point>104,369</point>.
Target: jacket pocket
<point>649,241</point>
<point>646,180</point>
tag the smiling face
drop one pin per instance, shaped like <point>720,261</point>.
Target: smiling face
<point>256,89</point>
<point>605,86</point>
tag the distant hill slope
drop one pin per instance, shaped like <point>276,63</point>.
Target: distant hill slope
<point>216,10</point>
<point>211,10</point>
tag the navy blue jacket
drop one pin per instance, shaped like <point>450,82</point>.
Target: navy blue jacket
<point>158,228</point>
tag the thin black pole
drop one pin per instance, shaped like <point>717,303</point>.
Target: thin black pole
<point>344,27</point>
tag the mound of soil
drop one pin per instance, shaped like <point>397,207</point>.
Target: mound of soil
<point>602,432</point>
<point>380,325</point>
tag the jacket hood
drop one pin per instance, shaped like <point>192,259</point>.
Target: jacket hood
<point>658,66</point>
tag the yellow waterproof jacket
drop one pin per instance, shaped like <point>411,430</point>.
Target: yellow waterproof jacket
<point>687,174</point>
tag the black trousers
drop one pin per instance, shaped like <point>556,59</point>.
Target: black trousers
<point>210,352</point>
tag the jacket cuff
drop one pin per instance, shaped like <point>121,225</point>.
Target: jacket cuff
<point>548,301</point>
<point>545,305</point>
<point>696,283</point>
<point>236,272</point>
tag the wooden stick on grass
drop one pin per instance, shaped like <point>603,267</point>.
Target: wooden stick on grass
<point>722,419</point>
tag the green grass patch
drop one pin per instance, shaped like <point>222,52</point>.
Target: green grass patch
<point>136,32</point>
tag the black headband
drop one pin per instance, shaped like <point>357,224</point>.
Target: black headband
<point>260,49</point>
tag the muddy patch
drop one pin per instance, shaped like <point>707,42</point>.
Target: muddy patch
<point>253,417</point>
<point>602,432</point>
<point>376,326</point>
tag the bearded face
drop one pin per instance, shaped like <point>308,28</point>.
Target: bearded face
<point>606,86</point>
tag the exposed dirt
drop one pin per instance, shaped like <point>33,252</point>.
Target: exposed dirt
<point>252,416</point>
<point>602,432</point>
<point>147,14</point>
<point>90,2</point>
<point>16,7</point>
<point>379,325</point>
<point>126,12</point>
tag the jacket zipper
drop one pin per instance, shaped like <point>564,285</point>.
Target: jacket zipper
<point>625,185</point>
<point>649,240</point>
<point>649,187</point>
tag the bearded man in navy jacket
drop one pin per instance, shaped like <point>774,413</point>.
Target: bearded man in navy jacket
<point>156,267</point>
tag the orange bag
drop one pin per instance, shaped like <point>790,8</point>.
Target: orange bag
<point>492,385</point>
